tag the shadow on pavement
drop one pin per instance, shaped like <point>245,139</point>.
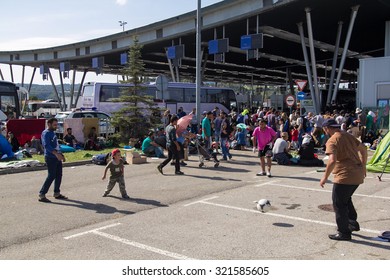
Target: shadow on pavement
<point>141,201</point>
<point>221,167</point>
<point>98,207</point>
<point>297,178</point>
<point>369,242</point>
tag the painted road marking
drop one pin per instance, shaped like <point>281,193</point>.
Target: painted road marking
<point>143,246</point>
<point>199,201</point>
<point>317,190</point>
<point>91,231</point>
<point>130,243</point>
<point>282,216</point>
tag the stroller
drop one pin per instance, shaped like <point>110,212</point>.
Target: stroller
<point>204,154</point>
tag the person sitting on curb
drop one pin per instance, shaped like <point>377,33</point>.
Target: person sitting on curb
<point>151,148</point>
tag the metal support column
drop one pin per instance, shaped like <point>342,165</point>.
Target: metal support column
<point>72,89</point>
<point>12,73</point>
<point>32,79</point>
<point>205,59</point>
<point>80,88</point>
<point>387,39</point>
<point>63,91</point>
<point>315,95</point>
<point>334,63</point>
<point>198,59</point>
<point>344,55</point>
<point>171,68</point>
<point>23,71</point>
<point>306,57</point>
<point>55,90</point>
<point>290,81</point>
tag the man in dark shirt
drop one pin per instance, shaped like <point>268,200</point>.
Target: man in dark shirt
<point>53,159</point>
<point>173,147</point>
<point>69,139</point>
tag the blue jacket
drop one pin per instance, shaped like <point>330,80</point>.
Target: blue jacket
<point>50,143</point>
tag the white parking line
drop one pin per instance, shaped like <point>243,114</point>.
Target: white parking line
<point>91,231</point>
<point>274,183</point>
<point>199,201</point>
<point>283,216</point>
<point>143,246</point>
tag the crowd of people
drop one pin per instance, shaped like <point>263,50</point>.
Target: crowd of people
<point>287,139</point>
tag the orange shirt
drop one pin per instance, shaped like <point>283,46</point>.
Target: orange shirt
<point>349,168</point>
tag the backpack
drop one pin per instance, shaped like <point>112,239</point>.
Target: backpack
<point>240,119</point>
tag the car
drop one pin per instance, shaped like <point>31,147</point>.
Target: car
<point>105,126</point>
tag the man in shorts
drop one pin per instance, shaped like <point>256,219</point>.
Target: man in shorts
<point>264,136</point>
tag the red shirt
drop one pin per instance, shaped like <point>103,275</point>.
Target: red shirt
<point>294,135</point>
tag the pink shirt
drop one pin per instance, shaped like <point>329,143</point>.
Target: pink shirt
<point>263,137</point>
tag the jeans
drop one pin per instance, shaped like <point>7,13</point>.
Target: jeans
<point>343,206</point>
<point>54,168</point>
<point>300,137</point>
<point>225,149</point>
<point>217,135</point>
<point>194,128</point>
<point>172,153</point>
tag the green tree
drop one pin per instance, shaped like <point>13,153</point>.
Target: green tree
<point>139,113</point>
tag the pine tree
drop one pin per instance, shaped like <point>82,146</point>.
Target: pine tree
<point>139,113</point>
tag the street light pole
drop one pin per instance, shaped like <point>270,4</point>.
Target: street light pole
<point>122,23</point>
<point>198,60</point>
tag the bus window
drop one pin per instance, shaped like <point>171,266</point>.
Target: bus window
<point>190,95</point>
<point>88,90</point>
<point>8,105</point>
<point>176,94</point>
<point>212,95</point>
<point>109,93</point>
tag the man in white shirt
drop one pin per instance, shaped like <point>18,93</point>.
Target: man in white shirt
<point>280,150</point>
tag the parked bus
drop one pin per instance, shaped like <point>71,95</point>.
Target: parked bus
<point>102,97</point>
<point>43,108</point>
<point>9,101</point>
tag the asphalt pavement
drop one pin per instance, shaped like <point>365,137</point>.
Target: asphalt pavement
<point>208,214</point>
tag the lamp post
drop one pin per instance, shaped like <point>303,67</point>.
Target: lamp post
<point>198,59</point>
<point>122,23</point>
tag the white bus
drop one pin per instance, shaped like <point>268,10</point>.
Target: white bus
<point>9,101</point>
<point>102,97</point>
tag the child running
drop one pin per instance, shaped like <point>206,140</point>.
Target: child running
<point>116,168</point>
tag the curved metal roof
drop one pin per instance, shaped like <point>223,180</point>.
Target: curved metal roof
<point>277,20</point>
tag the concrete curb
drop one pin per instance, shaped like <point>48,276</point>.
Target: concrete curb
<point>38,168</point>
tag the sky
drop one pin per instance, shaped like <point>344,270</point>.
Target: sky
<point>30,24</point>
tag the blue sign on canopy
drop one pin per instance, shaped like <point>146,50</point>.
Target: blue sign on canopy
<point>301,95</point>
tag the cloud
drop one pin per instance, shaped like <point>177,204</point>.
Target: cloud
<point>121,2</point>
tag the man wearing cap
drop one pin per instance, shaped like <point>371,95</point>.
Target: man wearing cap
<point>347,162</point>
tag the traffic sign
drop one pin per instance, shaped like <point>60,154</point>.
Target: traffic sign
<point>290,100</point>
<point>162,83</point>
<point>301,84</point>
<point>301,95</point>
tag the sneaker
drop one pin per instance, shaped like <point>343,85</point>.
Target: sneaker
<point>179,173</point>
<point>159,168</point>
<point>261,174</point>
<point>43,199</point>
<point>230,156</point>
<point>269,174</point>
<point>173,163</point>
<point>182,163</point>
<point>60,196</point>
<point>125,196</point>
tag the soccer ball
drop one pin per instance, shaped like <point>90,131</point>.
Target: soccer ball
<point>263,205</point>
